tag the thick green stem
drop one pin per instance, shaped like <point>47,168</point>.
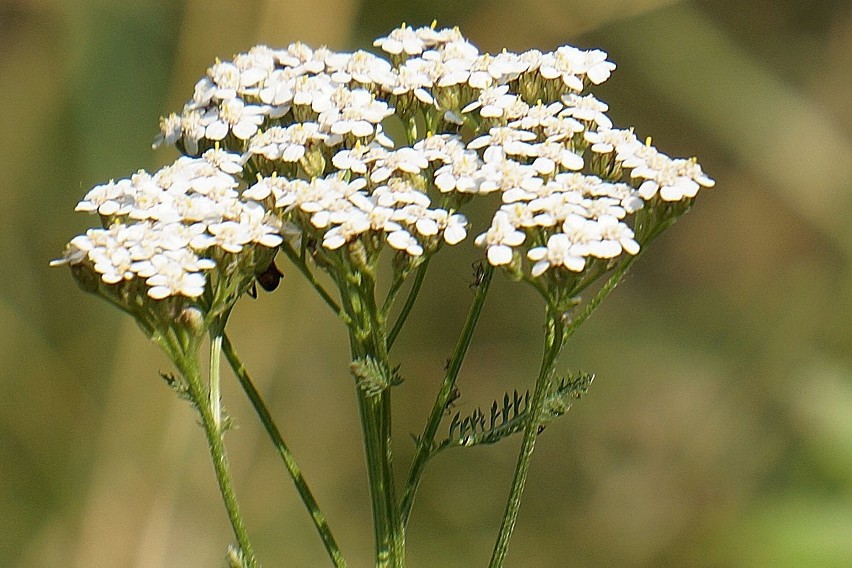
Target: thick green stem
<point>426,441</point>
<point>286,456</point>
<point>368,341</point>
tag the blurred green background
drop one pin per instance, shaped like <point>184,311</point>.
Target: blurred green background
<point>718,431</point>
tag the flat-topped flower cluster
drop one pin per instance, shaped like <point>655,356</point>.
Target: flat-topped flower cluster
<point>293,143</point>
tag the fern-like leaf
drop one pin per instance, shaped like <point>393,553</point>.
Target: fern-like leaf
<point>509,415</point>
<point>503,419</point>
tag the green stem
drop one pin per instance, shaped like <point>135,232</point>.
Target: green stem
<point>187,363</point>
<point>368,340</point>
<point>409,303</point>
<point>554,341</point>
<point>426,441</point>
<point>287,457</point>
<point>558,332</point>
<point>615,278</point>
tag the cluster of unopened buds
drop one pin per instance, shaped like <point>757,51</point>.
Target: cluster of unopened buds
<point>293,144</point>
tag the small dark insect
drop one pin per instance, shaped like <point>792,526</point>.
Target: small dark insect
<point>478,274</point>
<point>269,278</point>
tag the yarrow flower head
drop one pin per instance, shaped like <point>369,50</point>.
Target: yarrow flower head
<point>357,163</point>
<point>289,143</point>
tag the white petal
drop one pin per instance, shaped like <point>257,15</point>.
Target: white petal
<point>499,255</point>
<point>454,234</point>
<point>540,268</point>
<point>215,131</point>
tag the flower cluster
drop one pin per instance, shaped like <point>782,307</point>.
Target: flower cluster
<point>307,149</point>
<point>168,228</point>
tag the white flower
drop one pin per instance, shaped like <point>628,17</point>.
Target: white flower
<point>357,158</point>
<point>170,130</point>
<point>502,141</point>
<point>223,160</point>
<point>572,64</point>
<point>285,144</point>
<point>263,228</point>
<point>549,155</point>
<point>406,160</point>
<point>235,116</point>
<point>585,233</point>
<point>562,128</point>
<point>624,142</point>
<point>277,90</point>
<point>353,224</point>
<point>462,174</point>
<point>604,207</point>
<point>230,236</point>
<point>356,112</point>
<point>226,81</point>
<point>560,251</point>
<point>674,180</point>
<point>598,69</point>
<point>407,40</point>
<point>399,192</point>
<point>453,226</point>
<point>493,102</point>
<point>194,128</point>
<point>403,241</point>
<point>362,67</point>
<point>441,147</point>
<point>615,236</point>
<point>413,76</point>
<point>266,186</point>
<point>309,88</point>
<point>172,280</point>
<point>538,116</point>
<point>500,238</point>
<point>109,199</point>
<point>586,108</point>
<point>508,174</point>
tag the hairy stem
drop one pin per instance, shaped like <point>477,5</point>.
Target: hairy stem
<point>187,363</point>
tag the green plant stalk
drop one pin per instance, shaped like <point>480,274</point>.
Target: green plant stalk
<point>558,333</point>
<point>187,363</point>
<point>367,340</point>
<point>287,457</point>
<point>426,441</point>
<point>554,341</point>
<point>409,303</point>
